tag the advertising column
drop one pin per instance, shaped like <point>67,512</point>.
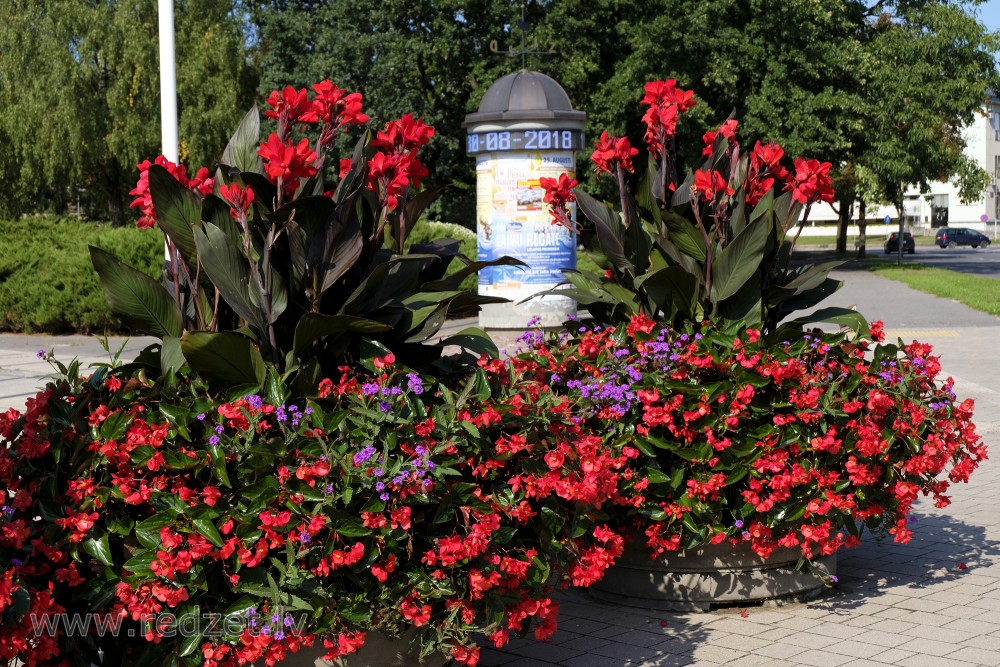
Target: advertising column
<point>512,220</point>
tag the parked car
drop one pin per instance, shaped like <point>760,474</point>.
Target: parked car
<point>949,237</point>
<point>892,244</point>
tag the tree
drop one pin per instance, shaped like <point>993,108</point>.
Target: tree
<point>820,78</point>
<point>431,59</point>
<point>86,79</point>
<point>930,67</point>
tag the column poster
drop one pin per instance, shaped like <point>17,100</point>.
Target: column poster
<point>512,220</point>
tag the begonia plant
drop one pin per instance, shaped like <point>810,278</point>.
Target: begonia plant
<point>803,443</point>
<point>156,523</point>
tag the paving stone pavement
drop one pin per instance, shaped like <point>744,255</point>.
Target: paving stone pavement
<point>905,605</point>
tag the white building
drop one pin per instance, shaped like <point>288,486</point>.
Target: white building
<point>925,211</point>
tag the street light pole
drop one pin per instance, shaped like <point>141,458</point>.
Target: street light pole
<point>168,81</point>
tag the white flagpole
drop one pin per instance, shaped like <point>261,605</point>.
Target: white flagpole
<point>168,81</point>
<point>168,88</point>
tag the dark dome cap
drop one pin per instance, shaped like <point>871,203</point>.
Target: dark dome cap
<point>525,95</point>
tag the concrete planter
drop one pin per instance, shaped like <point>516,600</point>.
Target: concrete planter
<point>378,651</point>
<point>712,575</point>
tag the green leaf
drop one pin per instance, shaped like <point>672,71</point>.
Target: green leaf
<point>314,326</point>
<point>335,250</point>
<point>177,416</point>
<point>685,236</point>
<point>202,521</point>
<point>178,210</point>
<point>843,316</point>
<point>474,339</point>
<point>454,280</point>
<point>732,267</point>
<point>98,548</point>
<point>610,231</point>
<point>148,531</point>
<point>139,564</point>
<point>138,300</point>
<point>226,358</point>
<point>171,356</point>
<point>241,151</point>
<point>227,268</point>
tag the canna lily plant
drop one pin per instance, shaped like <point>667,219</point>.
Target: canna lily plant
<point>269,262</point>
<point>713,246</point>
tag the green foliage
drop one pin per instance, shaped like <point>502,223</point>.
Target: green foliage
<point>381,503</point>
<point>761,440</point>
<point>430,230</point>
<point>267,268</point>
<point>829,80</point>
<point>697,255</point>
<point>94,109</point>
<point>47,282</point>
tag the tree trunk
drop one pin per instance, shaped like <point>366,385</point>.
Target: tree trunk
<point>843,220</point>
<point>862,226</point>
<point>113,186</point>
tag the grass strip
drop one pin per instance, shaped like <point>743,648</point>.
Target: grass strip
<point>977,292</point>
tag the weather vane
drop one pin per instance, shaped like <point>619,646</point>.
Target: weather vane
<point>524,51</point>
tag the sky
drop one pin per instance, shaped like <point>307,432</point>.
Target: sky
<point>989,14</point>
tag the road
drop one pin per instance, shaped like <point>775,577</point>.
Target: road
<point>979,261</point>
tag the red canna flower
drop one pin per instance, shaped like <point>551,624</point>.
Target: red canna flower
<point>612,153</point>
<point>728,130</point>
<point>286,163</point>
<point>333,106</point>
<point>708,184</point>
<point>558,195</point>
<point>811,182</point>
<point>201,183</point>
<point>665,102</point>
<point>403,135</point>
<point>289,107</point>
<point>239,199</point>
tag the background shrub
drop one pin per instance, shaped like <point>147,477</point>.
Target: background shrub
<point>47,282</point>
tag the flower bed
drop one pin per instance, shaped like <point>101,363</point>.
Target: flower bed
<point>295,464</point>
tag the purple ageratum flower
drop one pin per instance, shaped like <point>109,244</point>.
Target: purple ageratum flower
<point>309,411</point>
<point>378,472</point>
<point>834,579</point>
<point>201,416</point>
<point>364,455</point>
<point>305,537</point>
<point>220,429</point>
<point>16,562</point>
<point>266,631</point>
<point>279,635</point>
<point>370,388</point>
<point>288,620</point>
<point>280,414</point>
<point>41,354</point>
<point>293,408</point>
<point>384,406</point>
<point>214,440</point>
<point>384,497</point>
<point>555,378</point>
<point>414,383</point>
<point>738,524</point>
<point>329,489</point>
<point>533,322</point>
<point>380,486</point>
<point>255,401</point>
